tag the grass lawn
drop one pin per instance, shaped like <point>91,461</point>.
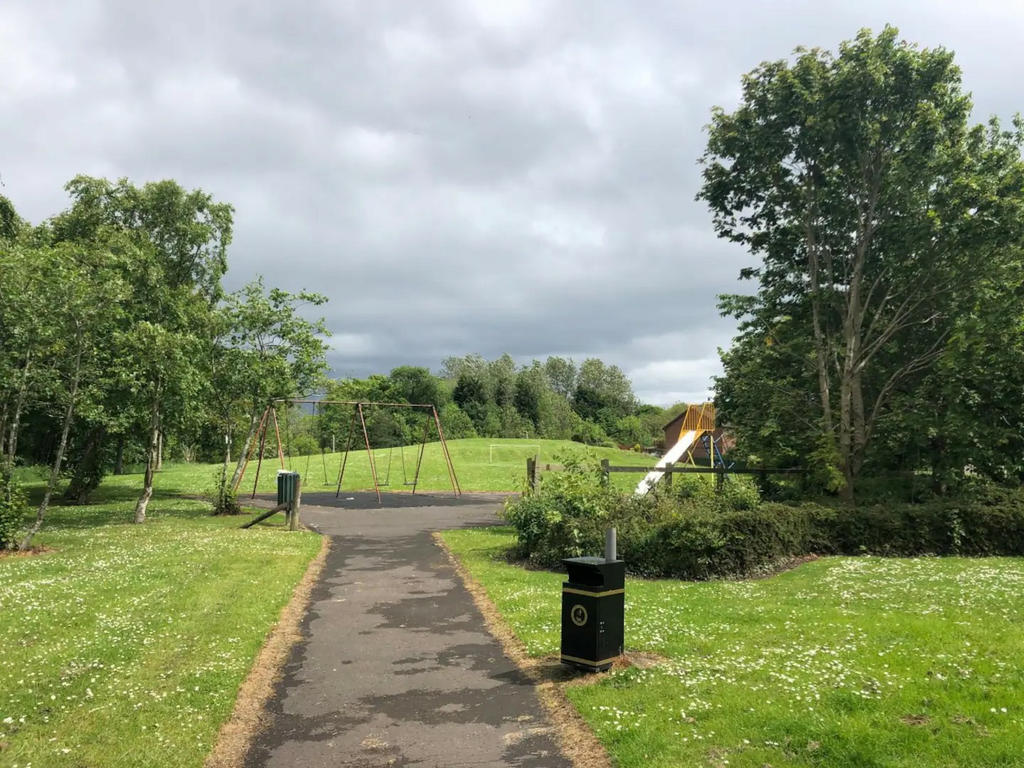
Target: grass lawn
<point>126,644</point>
<point>481,464</point>
<point>840,662</point>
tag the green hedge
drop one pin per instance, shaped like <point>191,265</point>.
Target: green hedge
<point>694,533</point>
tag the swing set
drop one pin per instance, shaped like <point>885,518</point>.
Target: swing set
<point>358,415</point>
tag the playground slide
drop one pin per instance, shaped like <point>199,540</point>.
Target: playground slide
<point>673,455</point>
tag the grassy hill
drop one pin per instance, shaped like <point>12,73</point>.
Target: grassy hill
<point>481,464</point>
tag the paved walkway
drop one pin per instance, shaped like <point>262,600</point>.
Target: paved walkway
<point>397,667</point>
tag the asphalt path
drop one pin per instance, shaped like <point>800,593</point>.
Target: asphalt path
<point>397,667</point>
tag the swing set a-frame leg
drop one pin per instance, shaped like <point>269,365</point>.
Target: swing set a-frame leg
<point>369,454</point>
<point>419,460</point>
<point>348,447</point>
<point>447,456</point>
<point>259,459</point>
<point>277,432</point>
<point>248,455</point>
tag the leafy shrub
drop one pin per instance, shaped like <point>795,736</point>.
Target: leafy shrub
<point>988,521</point>
<point>224,497</point>
<point>567,516</point>
<point>12,508</point>
<point>737,492</point>
<point>695,532</point>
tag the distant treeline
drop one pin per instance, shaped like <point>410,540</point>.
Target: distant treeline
<point>591,402</point>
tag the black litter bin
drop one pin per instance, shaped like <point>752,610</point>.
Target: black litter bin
<point>286,483</point>
<point>593,604</point>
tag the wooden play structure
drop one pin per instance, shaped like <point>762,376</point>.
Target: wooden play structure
<point>358,418</point>
<point>691,438</point>
<point>695,427</point>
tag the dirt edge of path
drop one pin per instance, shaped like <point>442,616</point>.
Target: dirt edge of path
<point>249,715</point>
<point>578,743</point>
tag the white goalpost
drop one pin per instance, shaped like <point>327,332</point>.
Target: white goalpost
<point>512,453</point>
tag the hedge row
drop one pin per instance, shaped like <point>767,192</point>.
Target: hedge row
<point>696,537</point>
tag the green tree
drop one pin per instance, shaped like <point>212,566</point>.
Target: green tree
<point>180,239</point>
<point>851,176</point>
<point>19,296</point>
<point>471,395</point>
<point>10,223</point>
<point>282,353</point>
<point>530,384</point>
<point>501,381</point>
<point>84,295</point>
<point>603,393</point>
<point>561,375</point>
<point>412,384</point>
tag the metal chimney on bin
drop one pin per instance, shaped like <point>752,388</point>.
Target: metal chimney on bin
<point>593,605</point>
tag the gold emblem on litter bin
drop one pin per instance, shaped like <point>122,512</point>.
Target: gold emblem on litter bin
<point>578,614</point>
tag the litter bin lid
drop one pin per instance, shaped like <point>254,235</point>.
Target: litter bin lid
<point>585,560</point>
<point>595,572</point>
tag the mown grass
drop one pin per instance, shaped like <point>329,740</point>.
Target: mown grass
<point>840,662</point>
<point>477,466</point>
<point>125,645</point>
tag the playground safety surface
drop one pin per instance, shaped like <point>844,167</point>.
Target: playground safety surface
<point>396,666</point>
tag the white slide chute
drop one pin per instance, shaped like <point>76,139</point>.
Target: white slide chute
<point>672,456</point>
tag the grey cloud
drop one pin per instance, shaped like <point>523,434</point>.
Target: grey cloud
<point>456,176</point>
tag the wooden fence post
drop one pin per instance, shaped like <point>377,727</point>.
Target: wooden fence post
<point>293,523</point>
<point>719,478</point>
<point>668,475</point>
<point>605,471</point>
<point>531,473</point>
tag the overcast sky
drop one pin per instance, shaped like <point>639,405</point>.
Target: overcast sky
<point>456,177</point>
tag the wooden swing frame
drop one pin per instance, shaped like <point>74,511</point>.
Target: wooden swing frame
<point>270,414</point>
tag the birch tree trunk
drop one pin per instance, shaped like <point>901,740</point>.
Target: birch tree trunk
<point>69,414</point>
<point>147,484</point>
<point>3,428</point>
<point>222,492</point>
<point>849,378</point>
<point>19,404</point>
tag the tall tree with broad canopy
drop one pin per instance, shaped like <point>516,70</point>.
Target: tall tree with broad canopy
<point>181,237</point>
<point>84,292</point>
<point>853,178</point>
<point>603,393</point>
<point>283,354</point>
<point>20,290</point>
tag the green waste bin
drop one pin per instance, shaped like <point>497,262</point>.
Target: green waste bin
<point>286,485</point>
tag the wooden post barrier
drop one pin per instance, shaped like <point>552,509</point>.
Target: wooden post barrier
<point>293,523</point>
<point>265,515</point>
<point>605,469</point>
<point>531,473</point>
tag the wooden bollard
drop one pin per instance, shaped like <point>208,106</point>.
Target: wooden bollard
<point>293,523</point>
